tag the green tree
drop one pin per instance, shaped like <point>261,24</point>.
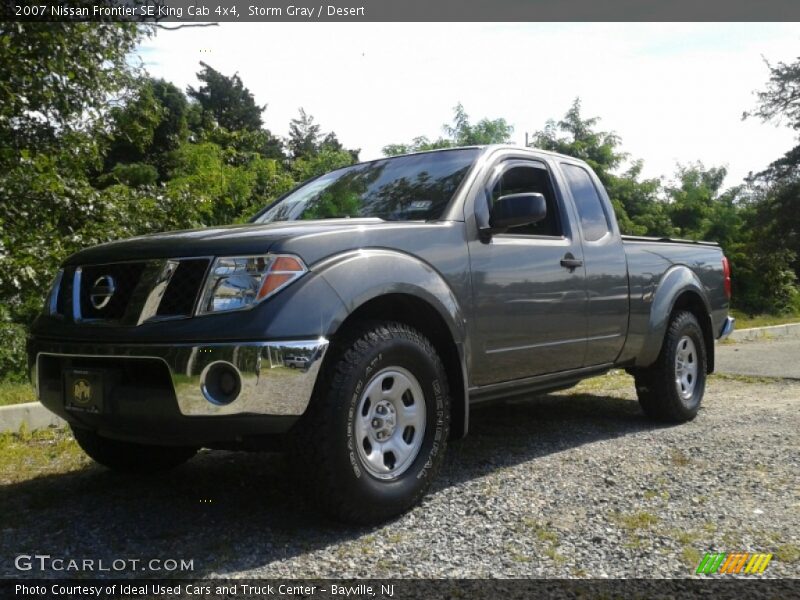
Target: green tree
<point>485,131</point>
<point>244,141</point>
<point>225,113</point>
<point>58,84</point>
<point>132,130</point>
<point>331,143</point>
<point>143,134</point>
<point>577,136</point>
<point>773,215</point>
<point>226,101</point>
<point>639,204</point>
<point>304,136</point>
<point>225,187</point>
<point>460,133</point>
<point>418,144</point>
<point>58,79</point>
<point>701,209</point>
<point>778,187</point>
<point>172,129</point>
<point>780,101</point>
<point>321,162</point>
<point>313,152</point>
<point>636,202</point>
<point>696,199</point>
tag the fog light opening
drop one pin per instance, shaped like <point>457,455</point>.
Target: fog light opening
<point>221,383</point>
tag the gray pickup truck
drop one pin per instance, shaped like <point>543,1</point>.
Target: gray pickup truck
<point>355,321</point>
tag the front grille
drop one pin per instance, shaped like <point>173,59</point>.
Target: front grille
<point>64,300</point>
<point>125,278</point>
<point>133,290</point>
<point>181,293</point>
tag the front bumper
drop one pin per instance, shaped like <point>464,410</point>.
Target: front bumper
<point>277,378</point>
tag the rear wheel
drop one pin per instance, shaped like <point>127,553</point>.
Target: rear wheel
<point>374,438</point>
<point>128,457</point>
<point>672,388</point>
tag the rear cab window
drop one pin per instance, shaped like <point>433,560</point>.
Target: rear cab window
<point>594,221</point>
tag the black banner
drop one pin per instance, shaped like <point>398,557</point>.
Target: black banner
<point>401,589</point>
<point>197,11</point>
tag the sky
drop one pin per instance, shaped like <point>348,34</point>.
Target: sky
<point>673,92</point>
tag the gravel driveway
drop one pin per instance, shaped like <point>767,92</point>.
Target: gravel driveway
<point>574,484</point>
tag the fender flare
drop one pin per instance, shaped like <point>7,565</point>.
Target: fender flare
<point>676,281</point>
<point>362,275</point>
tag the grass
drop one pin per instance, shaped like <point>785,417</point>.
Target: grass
<point>615,380</point>
<point>678,457</point>
<point>788,553</point>
<point>635,521</point>
<point>553,555</point>
<point>26,455</point>
<point>752,379</point>
<point>544,535</point>
<point>744,321</point>
<point>686,537</point>
<point>542,532</point>
<point>634,543</point>
<point>517,556</point>
<point>691,556</point>
<point>16,393</point>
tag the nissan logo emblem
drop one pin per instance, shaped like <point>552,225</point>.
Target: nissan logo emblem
<point>102,291</point>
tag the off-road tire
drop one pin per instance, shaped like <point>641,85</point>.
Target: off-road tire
<point>324,441</point>
<point>658,387</point>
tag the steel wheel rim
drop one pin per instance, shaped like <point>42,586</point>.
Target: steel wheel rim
<point>686,367</point>
<point>390,423</point>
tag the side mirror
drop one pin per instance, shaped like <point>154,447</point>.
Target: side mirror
<point>514,210</point>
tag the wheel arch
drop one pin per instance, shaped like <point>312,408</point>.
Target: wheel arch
<point>679,289</point>
<point>392,286</point>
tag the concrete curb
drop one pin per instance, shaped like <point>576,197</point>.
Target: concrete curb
<point>31,414</point>
<point>774,331</point>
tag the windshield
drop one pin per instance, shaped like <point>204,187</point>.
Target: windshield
<point>405,188</point>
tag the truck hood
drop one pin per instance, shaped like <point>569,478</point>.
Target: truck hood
<point>227,240</point>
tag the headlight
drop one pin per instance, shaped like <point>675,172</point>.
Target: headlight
<point>237,283</point>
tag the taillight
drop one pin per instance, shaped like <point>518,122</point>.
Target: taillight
<point>726,276</point>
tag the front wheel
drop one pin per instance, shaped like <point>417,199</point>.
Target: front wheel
<point>128,457</point>
<point>671,389</point>
<point>375,436</point>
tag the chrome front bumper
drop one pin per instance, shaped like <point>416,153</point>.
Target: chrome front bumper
<point>277,377</point>
<point>727,328</point>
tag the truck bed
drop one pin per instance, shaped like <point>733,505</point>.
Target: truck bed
<point>666,240</point>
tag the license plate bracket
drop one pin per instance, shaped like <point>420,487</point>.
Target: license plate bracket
<point>83,390</point>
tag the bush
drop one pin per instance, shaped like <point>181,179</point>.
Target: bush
<point>13,360</point>
<point>134,175</point>
<point>764,281</point>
